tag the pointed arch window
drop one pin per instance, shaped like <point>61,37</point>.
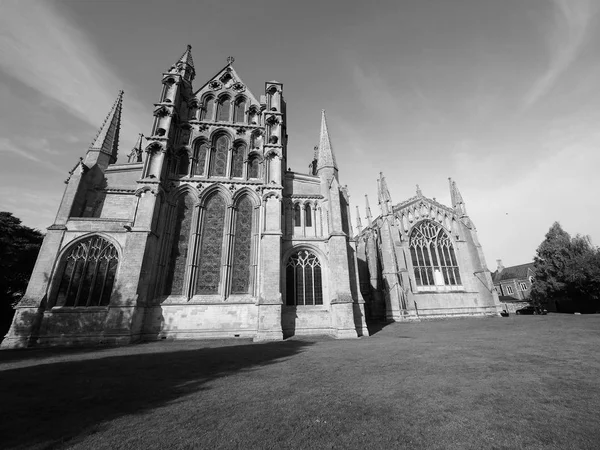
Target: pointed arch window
<point>208,109</point>
<point>208,276</point>
<point>200,153</point>
<point>239,112</point>
<point>237,160</point>
<point>179,248</point>
<point>307,215</point>
<point>433,257</point>
<point>297,216</point>
<point>240,279</point>
<point>219,163</point>
<point>253,167</point>
<point>183,167</point>
<point>88,274</point>
<point>223,109</point>
<point>304,284</point>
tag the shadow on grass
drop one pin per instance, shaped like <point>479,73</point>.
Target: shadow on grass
<point>52,403</point>
<point>375,327</point>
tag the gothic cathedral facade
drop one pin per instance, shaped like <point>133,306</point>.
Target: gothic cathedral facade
<point>202,233</point>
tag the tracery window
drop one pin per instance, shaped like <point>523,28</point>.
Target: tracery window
<point>207,111</point>
<point>297,220</point>
<point>179,248</point>
<point>239,111</point>
<point>219,163</point>
<point>307,216</point>
<point>200,153</point>
<point>237,160</point>
<point>304,285</point>
<point>223,109</point>
<point>88,274</point>
<point>433,257</point>
<point>253,167</point>
<point>240,279</point>
<point>211,247</point>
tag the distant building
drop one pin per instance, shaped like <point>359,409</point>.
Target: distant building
<point>513,284</point>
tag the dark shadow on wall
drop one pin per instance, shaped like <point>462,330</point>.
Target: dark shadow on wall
<point>289,316</point>
<point>48,403</point>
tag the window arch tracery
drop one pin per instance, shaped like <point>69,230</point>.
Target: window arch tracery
<point>88,274</point>
<point>304,284</point>
<point>433,257</point>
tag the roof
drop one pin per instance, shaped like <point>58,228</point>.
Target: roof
<point>520,272</point>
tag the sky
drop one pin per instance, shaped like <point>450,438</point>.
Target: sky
<point>502,96</point>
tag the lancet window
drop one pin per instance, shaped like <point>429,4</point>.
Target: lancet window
<point>239,112</point>
<point>223,109</point>
<point>253,167</point>
<point>179,249</point>
<point>200,153</point>
<point>304,284</point>
<point>219,160</point>
<point>307,215</point>
<point>297,217</point>
<point>208,109</point>
<point>211,246</point>
<point>240,279</point>
<point>237,160</point>
<point>88,274</point>
<point>433,257</point>
<point>184,163</point>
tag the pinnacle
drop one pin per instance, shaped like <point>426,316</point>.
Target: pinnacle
<point>187,57</point>
<point>326,158</point>
<point>107,139</point>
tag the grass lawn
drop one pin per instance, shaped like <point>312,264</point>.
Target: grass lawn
<point>518,382</point>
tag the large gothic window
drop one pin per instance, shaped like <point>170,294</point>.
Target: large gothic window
<point>433,257</point>
<point>239,111</point>
<point>211,246</point>
<point>208,109</point>
<point>237,160</point>
<point>175,284</point>
<point>304,285</point>
<point>219,163</point>
<point>200,153</point>
<point>223,109</point>
<point>88,274</point>
<point>240,280</point>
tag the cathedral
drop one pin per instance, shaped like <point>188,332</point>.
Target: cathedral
<point>201,232</point>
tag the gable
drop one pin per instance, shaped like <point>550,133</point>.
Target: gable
<point>226,81</point>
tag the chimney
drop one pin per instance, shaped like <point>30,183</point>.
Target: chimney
<point>500,266</point>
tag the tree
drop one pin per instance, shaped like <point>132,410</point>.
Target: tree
<point>19,247</point>
<point>566,268</point>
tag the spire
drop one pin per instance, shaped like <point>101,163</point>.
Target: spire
<point>358,221</point>
<point>325,154</point>
<point>369,217</point>
<point>185,65</point>
<point>457,201</point>
<point>107,139</point>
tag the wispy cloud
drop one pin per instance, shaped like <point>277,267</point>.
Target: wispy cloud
<point>44,50</point>
<point>565,36</point>
<point>29,148</point>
